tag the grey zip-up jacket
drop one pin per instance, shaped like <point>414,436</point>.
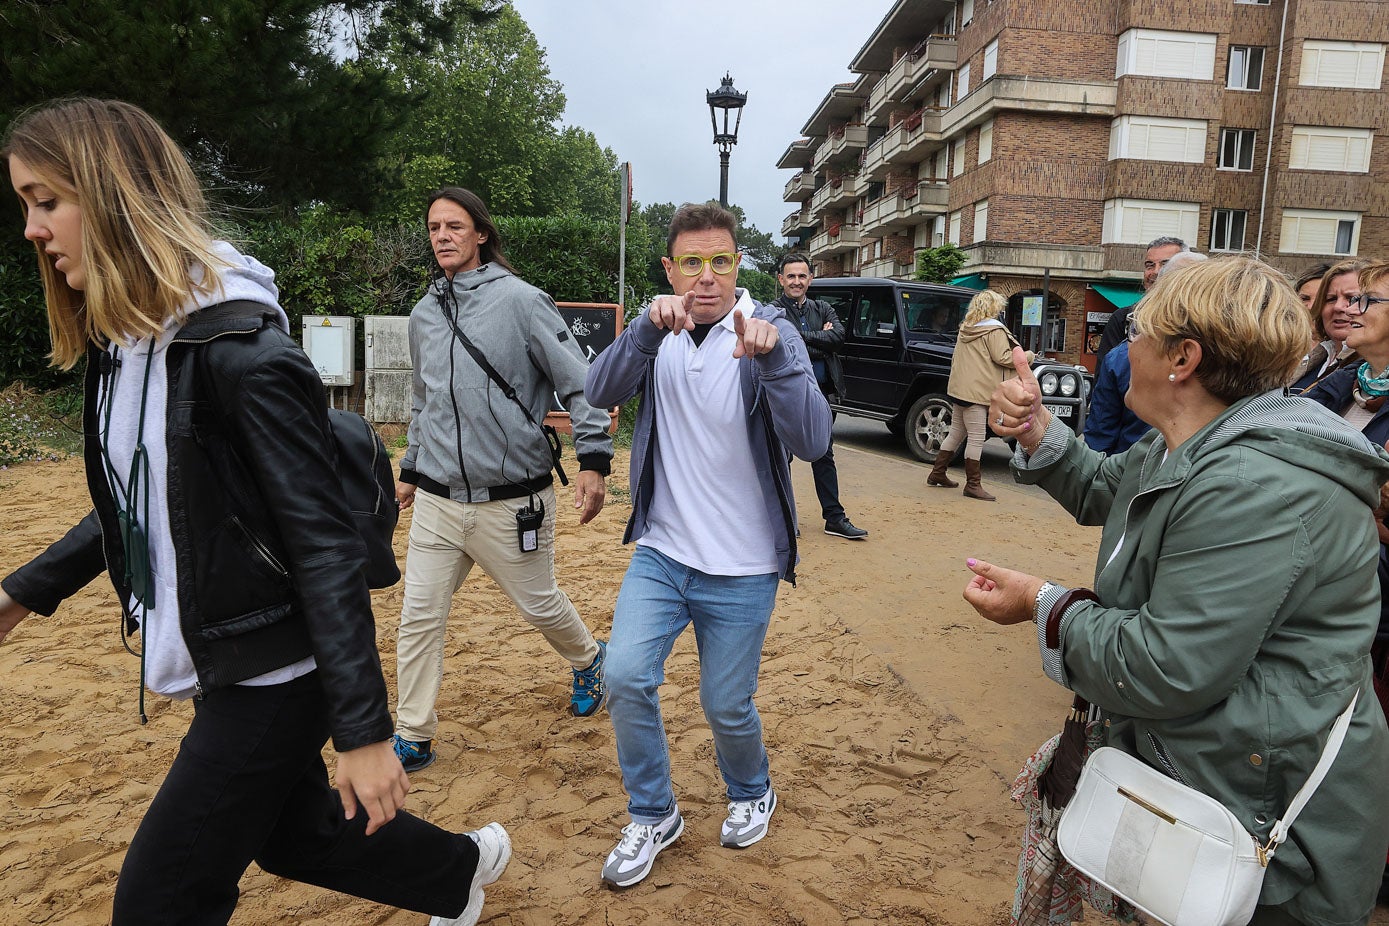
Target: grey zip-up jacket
<point>522,335</point>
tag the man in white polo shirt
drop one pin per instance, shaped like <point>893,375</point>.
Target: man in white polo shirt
<point>727,389</point>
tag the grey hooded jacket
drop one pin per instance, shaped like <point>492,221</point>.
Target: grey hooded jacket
<point>522,335</point>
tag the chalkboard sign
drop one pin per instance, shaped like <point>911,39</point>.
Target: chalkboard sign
<point>594,325</point>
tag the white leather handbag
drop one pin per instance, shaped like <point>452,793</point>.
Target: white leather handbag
<point>1173,852</point>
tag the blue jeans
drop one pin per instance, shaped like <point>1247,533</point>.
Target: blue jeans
<point>659,598</point>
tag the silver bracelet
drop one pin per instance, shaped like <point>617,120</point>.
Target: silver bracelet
<point>1037,603</point>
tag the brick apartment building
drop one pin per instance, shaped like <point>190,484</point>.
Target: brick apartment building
<point>1051,139</point>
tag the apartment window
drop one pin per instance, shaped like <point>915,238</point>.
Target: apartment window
<point>1156,53</point>
<point>1316,147</point>
<point>943,95</point>
<point>1150,138</point>
<point>1236,149</point>
<point>990,59</point>
<point>1353,65</point>
<point>1138,221</point>
<point>1315,231</point>
<point>981,220</point>
<point>937,231</point>
<point>1227,229</point>
<point>1246,71</point>
<point>966,12</point>
<point>962,88</point>
<point>957,156</point>
<point>940,172</point>
<point>955,228</point>
<point>986,141</point>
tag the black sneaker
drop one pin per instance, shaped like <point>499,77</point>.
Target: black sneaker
<point>843,527</point>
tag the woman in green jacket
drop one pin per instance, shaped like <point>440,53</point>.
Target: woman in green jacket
<point>1236,584</point>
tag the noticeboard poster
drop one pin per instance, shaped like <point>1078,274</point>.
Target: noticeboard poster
<point>594,326</point>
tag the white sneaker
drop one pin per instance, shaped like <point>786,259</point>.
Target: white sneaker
<point>747,821</point>
<point>494,851</point>
<point>631,861</point>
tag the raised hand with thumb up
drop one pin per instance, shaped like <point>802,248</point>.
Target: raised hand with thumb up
<point>1016,410</point>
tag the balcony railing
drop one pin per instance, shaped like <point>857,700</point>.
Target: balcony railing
<point>799,188</point>
<point>933,53</point>
<point>843,144</point>
<point>843,190</point>
<point>882,267</point>
<point>882,214</point>
<point>837,239</point>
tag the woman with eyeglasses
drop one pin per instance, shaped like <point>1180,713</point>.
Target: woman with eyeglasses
<point>218,515</point>
<point>1359,393</point>
<point>1234,597</point>
<point>1330,311</point>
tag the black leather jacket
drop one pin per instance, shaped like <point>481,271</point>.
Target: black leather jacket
<point>270,565</point>
<point>822,344</point>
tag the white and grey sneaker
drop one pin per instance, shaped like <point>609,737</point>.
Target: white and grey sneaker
<point>631,861</point>
<point>493,852</point>
<point>747,821</point>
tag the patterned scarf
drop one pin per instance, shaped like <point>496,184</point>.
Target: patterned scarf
<point>1370,385</point>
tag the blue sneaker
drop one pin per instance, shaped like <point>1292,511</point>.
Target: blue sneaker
<point>413,756</point>
<point>590,694</point>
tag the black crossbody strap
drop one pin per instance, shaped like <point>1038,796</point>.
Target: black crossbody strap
<point>551,437</point>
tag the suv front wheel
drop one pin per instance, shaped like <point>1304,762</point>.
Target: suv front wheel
<point>927,424</point>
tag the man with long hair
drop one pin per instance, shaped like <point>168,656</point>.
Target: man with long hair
<point>488,351</point>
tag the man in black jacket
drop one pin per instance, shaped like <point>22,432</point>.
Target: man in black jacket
<point>824,335</point>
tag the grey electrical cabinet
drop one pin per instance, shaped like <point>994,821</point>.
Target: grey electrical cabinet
<point>388,369</point>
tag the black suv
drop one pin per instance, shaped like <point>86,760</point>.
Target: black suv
<point>898,341</point>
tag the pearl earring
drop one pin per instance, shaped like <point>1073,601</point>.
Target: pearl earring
<point>1171,377</point>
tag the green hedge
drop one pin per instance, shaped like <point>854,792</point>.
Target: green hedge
<point>328,263</point>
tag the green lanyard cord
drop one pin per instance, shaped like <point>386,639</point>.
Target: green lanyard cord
<point>131,497</point>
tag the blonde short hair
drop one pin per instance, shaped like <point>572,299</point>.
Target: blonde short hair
<point>1250,324</point>
<point>1373,273</point>
<point>985,305</point>
<point>145,225</point>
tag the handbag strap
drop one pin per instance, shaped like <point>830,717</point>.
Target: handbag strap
<point>1299,801</point>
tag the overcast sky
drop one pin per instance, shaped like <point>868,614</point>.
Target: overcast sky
<point>635,73</point>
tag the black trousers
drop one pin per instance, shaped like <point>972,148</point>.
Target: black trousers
<point>827,484</point>
<point>249,784</point>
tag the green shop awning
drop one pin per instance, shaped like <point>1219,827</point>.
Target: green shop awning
<point>971,281</point>
<point>1119,295</point>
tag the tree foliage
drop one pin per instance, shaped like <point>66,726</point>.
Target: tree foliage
<point>939,265</point>
<point>486,120</point>
<point>272,104</point>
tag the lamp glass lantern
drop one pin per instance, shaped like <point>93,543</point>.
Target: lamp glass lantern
<point>725,105</point>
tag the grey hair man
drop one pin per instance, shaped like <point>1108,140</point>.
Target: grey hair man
<point>1159,252</point>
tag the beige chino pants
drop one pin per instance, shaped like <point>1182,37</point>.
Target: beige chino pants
<point>446,539</point>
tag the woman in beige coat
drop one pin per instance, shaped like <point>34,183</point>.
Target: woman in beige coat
<point>983,359</point>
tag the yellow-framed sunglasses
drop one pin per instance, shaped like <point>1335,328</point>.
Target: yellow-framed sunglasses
<point>692,265</point>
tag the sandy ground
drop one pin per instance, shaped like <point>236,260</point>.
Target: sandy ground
<point>895,718</point>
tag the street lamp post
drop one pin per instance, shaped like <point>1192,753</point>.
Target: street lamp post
<point>727,99</point>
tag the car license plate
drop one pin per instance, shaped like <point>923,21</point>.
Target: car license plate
<point>1060,411</point>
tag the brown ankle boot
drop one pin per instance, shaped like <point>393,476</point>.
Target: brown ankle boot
<point>938,475</point>
<point>974,487</point>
